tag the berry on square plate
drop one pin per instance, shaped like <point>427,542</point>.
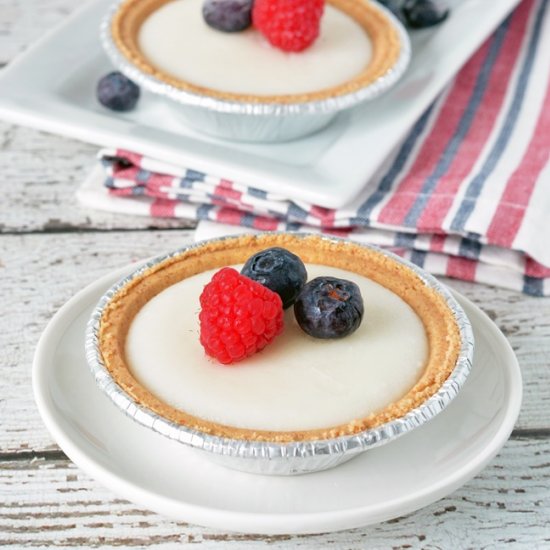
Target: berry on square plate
<point>228,15</point>
<point>117,92</point>
<point>396,7</point>
<point>290,25</point>
<point>420,14</point>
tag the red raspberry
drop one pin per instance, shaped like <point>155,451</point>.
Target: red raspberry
<point>291,25</point>
<point>238,317</point>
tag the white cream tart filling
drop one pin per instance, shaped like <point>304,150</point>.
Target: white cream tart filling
<point>295,383</point>
<point>176,40</point>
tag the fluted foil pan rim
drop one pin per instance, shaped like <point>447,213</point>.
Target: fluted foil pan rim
<point>344,446</point>
<point>324,106</point>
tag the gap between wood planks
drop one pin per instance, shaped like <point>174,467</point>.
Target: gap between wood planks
<point>14,456</point>
<point>186,224</point>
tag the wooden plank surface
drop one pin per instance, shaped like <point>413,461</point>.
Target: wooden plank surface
<point>41,173</point>
<point>506,506</point>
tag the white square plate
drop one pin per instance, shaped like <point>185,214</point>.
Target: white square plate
<point>52,87</point>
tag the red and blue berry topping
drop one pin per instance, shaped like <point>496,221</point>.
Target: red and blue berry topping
<point>290,25</point>
<point>243,312</point>
<point>238,317</point>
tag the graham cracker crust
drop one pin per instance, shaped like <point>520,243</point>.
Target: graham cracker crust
<point>386,48</point>
<point>442,331</point>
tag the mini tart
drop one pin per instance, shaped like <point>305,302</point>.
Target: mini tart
<point>442,331</point>
<point>386,49</point>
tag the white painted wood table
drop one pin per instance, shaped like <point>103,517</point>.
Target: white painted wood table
<point>50,248</point>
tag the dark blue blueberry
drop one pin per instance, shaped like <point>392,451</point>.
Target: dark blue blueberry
<point>117,92</point>
<point>329,307</point>
<point>396,7</point>
<point>424,13</point>
<point>228,15</point>
<point>279,270</point>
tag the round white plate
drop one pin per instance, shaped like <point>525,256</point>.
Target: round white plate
<point>164,476</point>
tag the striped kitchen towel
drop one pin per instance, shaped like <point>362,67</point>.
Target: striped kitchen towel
<point>467,193</point>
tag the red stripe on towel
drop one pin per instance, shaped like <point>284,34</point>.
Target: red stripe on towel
<point>461,268</point>
<point>476,138</point>
<point>511,210</point>
<point>442,131</point>
<point>163,208</point>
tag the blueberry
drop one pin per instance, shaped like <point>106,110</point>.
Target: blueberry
<point>227,15</point>
<point>328,307</point>
<point>279,270</point>
<point>396,7</point>
<point>424,13</point>
<point>117,92</point>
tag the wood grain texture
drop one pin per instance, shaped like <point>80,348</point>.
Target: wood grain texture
<point>41,174</point>
<point>53,503</point>
<point>38,273</point>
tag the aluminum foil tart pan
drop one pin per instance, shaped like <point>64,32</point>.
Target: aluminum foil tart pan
<point>450,338</point>
<point>259,118</point>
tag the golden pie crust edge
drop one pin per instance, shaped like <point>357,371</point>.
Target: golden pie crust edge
<point>443,334</point>
<point>386,49</point>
